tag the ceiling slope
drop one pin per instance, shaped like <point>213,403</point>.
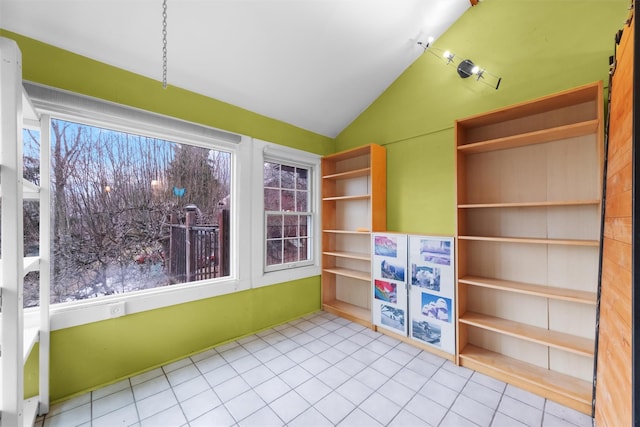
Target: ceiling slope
<point>315,64</point>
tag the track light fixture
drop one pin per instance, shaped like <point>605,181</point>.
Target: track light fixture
<point>465,68</point>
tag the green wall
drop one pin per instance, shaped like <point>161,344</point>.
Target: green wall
<point>537,47</point>
<point>92,355</point>
<point>86,357</point>
<point>95,354</point>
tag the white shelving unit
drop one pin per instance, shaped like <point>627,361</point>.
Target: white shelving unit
<point>17,336</point>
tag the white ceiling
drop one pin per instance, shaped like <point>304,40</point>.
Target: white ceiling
<point>315,64</point>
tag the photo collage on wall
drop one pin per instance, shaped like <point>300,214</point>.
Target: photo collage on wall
<point>389,276</point>
<point>432,290</point>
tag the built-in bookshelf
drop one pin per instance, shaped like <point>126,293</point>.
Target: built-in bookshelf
<point>528,236</point>
<point>353,206</point>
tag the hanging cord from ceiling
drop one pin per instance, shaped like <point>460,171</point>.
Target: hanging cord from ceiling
<point>164,44</point>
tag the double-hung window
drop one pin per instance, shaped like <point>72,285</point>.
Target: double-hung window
<point>288,216</point>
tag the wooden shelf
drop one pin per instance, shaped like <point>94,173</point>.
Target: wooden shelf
<point>350,255</point>
<point>356,177</point>
<point>567,390</point>
<point>364,233</point>
<point>343,198</point>
<point>559,340</point>
<point>30,411</point>
<point>349,311</point>
<point>30,191</point>
<point>346,272</point>
<point>579,95</point>
<point>566,242</point>
<point>348,174</point>
<point>551,292</point>
<point>31,263</point>
<point>29,339</point>
<point>560,203</point>
<point>537,137</point>
<point>352,153</point>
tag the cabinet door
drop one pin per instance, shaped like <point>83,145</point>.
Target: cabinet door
<point>389,277</point>
<point>432,291</point>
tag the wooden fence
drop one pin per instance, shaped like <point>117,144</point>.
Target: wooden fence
<point>198,252</point>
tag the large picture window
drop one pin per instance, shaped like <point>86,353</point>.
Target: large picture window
<point>288,216</point>
<point>151,211</point>
<point>132,212</point>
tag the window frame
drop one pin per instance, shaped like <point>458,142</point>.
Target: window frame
<point>248,155</point>
<point>270,152</point>
<point>57,104</point>
<point>310,227</point>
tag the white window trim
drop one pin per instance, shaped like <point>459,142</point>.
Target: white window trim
<point>124,118</point>
<point>266,151</point>
<point>311,204</point>
<point>290,264</point>
<point>69,106</point>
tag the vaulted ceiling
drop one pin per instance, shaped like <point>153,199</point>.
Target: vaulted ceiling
<point>315,64</point>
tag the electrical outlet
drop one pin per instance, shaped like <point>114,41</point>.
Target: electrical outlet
<point>117,309</point>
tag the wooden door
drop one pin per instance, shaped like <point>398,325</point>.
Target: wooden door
<point>614,388</point>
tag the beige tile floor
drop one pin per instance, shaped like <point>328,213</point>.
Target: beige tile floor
<point>320,370</point>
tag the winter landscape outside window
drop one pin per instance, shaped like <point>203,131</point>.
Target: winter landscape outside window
<point>31,214</point>
<point>131,212</point>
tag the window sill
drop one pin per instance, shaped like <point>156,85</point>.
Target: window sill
<point>77,313</point>
<point>67,315</point>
